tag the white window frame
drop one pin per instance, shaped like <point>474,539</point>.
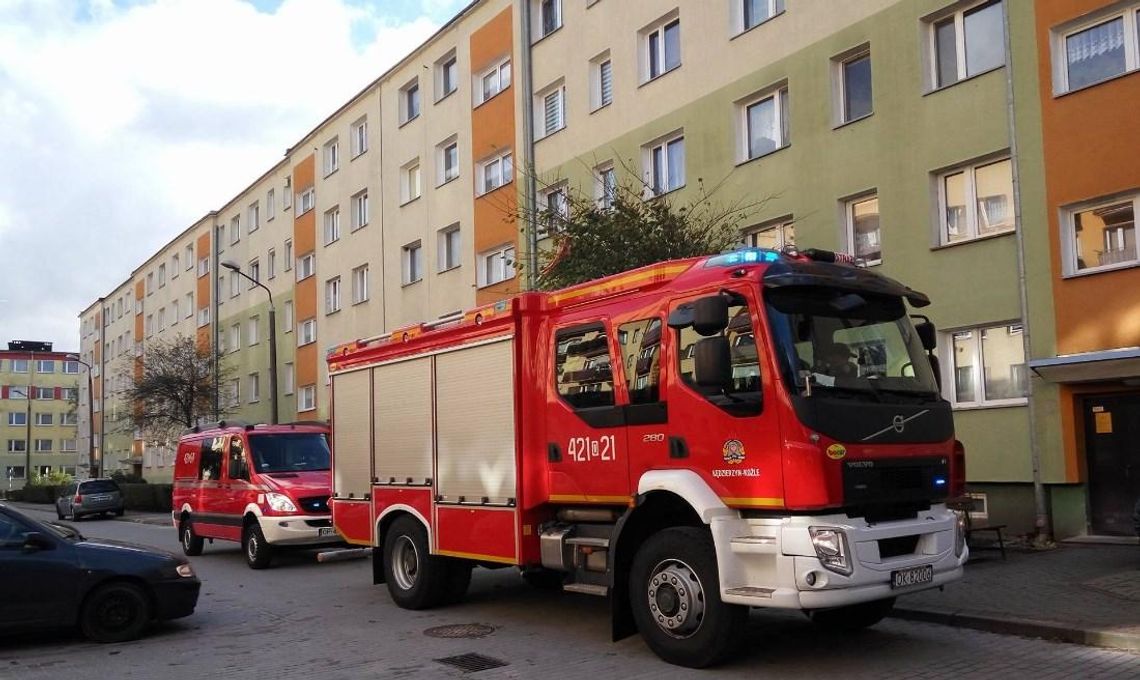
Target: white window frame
<point>203,267</point>
<point>449,248</point>
<point>270,204</point>
<point>70,367</point>
<point>288,316</point>
<point>306,266</point>
<point>189,257</point>
<point>332,295</point>
<point>307,332</point>
<point>233,340</point>
<point>972,222</point>
<point>253,217</point>
<point>447,173</point>
<point>254,269</point>
<point>839,66</point>
<point>307,399</point>
<point>498,76</point>
<point>495,172</point>
<point>359,136</point>
<point>43,419</point>
<point>254,388</point>
<point>411,181</point>
<point>331,228</point>
<point>45,366</point>
<point>446,85</point>
<point>175,265</point>
<point>544,124</point>
<point>496,265</point>
<point>778,95</point>
<point>253,332</point>
<point>360,284</point>
<point>412,263</point>
<point>235,284</point>
<point>358,206</point>
<point>290,377</point>
<point>307,200</point>
<point>553,217</point>
<point>604,195</point>
<point>781,226</point>
<point>271,264</point>
<point>162,275</point>
<point>849,226</point>
<point>288,258</point>
<point>542,27</point>
<point>1070,251</point>
<point>649,159</point>
<point>410,94</point>
<point>652,69</point>
<point>1060,47</point>
<point>599,67</point>
<point>740,14</point>
<point>235,229</point>
<point>330,157</point>
<point>203,317</point>
<point>20,416</point>
<point>189,305</point>
<point>958,15</point>
<point>949,370</point>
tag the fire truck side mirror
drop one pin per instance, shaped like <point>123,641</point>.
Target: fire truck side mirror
<point>712,362</point>
<point>710,315</point>
<point>927,334</point>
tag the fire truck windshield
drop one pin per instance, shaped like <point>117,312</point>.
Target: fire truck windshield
<point>290,452</point>
<point>848,345</point>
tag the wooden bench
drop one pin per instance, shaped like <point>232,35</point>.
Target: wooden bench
<point>995,529</point>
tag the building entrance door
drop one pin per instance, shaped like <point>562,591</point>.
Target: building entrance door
<point>1112,445</point>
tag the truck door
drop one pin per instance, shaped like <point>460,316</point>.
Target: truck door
<point>729,434</point>
<point>236,491</point>
<point>585,424</point>
<point>646,416</point>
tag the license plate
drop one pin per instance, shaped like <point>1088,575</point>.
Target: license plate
<point>326,531</point>
<point>915,576</point>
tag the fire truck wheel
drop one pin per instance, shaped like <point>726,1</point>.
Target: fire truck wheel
<point>258,553</point>
<point>674,590</point>
<point>854,616</point>
<point>458,580</point>
<point>416,579</point>
<point>191,542</point>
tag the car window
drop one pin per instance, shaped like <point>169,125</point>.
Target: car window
<point>99,486</point>
<point>11,531</point>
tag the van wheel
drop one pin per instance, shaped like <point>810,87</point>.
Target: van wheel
<point>191,542</point>
<point>116,612</point>
<point>674,591</point>
<point>853,616</point>
<point>258,553</point>
<point>58,513</point>
<point>416,579</point>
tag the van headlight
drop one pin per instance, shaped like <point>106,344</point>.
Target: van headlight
<point>279,502</point>
<point>831,549</point>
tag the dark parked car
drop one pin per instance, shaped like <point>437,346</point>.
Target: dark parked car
<point>52,576</point>
<point>89,497</point>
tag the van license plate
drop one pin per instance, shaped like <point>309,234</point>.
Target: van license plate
<point>326,531</point>
<point>916,576</point>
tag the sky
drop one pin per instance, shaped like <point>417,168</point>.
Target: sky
<point>122,122</point>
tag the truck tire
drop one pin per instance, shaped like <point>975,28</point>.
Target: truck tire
<point>674,588</point>
<point>416,579</point>
<point>853,616</point>
<point>458,581</point>
<point>115,612</point>
<point>258,553</point>
<point>191,543</point>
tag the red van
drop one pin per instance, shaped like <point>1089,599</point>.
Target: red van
<point>267,486</point>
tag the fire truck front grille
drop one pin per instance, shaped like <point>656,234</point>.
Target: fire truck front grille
<point>315,504</point>
<point>900,545</point>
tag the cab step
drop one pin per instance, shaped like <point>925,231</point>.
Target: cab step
<point>751,591</point>
<point>587,588</point>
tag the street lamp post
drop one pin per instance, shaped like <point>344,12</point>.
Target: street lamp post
<point>92,465</point>
<point>236,268</point>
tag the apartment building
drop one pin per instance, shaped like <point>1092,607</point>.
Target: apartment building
<point>39,403</point>
<point>946,144</point>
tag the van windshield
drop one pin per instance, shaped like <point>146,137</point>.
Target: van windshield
<point>290,452</point>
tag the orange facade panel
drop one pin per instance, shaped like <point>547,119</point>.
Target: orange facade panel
<point>305,292</point>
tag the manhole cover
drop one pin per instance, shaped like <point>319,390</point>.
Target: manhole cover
<point>472,663</point>
<point>460,630</point>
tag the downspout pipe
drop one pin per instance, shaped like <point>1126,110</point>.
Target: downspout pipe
<point>530,189</point>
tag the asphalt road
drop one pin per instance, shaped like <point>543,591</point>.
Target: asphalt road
<point>304,619</point>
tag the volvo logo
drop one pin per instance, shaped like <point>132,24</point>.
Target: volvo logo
<point>898,424</point>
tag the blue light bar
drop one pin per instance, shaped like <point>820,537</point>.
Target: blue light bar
<point>744,256</point>
<point>939,481</point>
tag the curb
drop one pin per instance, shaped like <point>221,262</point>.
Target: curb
<point>1046,630</point>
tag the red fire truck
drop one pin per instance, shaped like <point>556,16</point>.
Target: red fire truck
<point>691,439</point>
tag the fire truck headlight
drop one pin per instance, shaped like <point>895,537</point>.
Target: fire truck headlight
<point>959,532</point>
<point>279,502</point>
<point>831,549</point>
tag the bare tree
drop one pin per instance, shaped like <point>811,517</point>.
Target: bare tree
<point>173,388</point>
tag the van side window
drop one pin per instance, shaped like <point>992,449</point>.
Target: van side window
<point>640,349</point>
<point>743,395</point>
<point>237,466</point>
<point>582,370</point>
<point>210,459</point>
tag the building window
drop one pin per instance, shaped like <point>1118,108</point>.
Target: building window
<point>287,194</point>
<point>149,325</point>
<point>254,272</point>
<point>755,12</point>
<point>494,80</point>
<point>307,401</point>
<point>43,446</point>
<point>410,101</point>
<point>359,137</point>
<point>233,343</point>
<point>290,377</point>
<point>862,217</point>
<point>1087,54</point>
<point>150,283</point>
<point>496,266</point>
<point>852,74</point>
<point>550,110</point>
<point>988,366</point>
<point>331,156</point>
<point>162,275</point>
<point>43,418</point>
<point>966,43</point>
<point>45,366</point>
<point>976,201</point>
<point>360,284</point>
<point>17,418</point>
<point>412,262</point>
<point>306,266</point>
<point>308,199</point>
<point>253,218</point>
<point>17,445</point>
<point>605,185</point>
<point>71,367</point>
<point>772,235</point>
<point>19,365</point>
<point>555,210</point>
<point>254,329</point>
<point>174,317</point>
<point>765,124</point>
<point>67,445</point>
<point>601,81</point>
<point>270,204</point>
<point>410,181</point>
<point>69,419</point>
<point>235,229</point>
<point>664,164</point>
<point>549,17</point>
<point>447,160</point>
<point>234,392</point>
<point>307,332</point>
<point>175,268</point>
<point>203,317</point>
<point>254,388</point>
<point>189,305</point>
<point>359,210</point>
<point>448,247</point>
<point>446,76</point>
<point>288,254</point>
<point>14,471</point>
<point>1101,235</point>
<point>332,295</point>
<point>661,47</point>
<point>288,316</point>
<point>271,263</point>
<point>235,284</point>
<point>332,225</point>
<point>203,267</point>
<point>17,393</point>
<point>47,393</point>
<point>495,172</point>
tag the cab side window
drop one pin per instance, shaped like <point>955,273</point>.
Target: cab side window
<point>210,458</point>
<point>582,370</point>
<point>237,467</point>
<point>641,351</point>
<point>745,386</point>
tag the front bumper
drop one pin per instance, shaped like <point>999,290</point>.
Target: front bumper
<point>298,530</point>
<point>772,563</point>
<point>176,599</point>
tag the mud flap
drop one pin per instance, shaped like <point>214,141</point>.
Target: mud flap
<point>377,566</point>
<point>621,613</point>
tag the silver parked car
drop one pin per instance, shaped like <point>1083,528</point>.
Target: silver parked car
<point>89,497</point>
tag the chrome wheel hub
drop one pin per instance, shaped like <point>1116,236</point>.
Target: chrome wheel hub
<point>405,563</point>
<point>676,598</point>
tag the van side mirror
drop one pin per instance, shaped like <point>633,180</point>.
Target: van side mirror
<point>710,315</point>
<point>712,362</point>
<point>35,541</point>
<point>927,334</point>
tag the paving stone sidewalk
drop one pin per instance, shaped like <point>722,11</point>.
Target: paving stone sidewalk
<point>1083,593</point>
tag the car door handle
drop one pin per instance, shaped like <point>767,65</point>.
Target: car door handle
<point>678,448</point>
<point>553,453</point>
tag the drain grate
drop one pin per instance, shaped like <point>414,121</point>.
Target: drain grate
<point>460,631</point>
<point>472,663</point>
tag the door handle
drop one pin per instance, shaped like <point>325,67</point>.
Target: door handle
<point>678,448</point>
<point>553,453</point>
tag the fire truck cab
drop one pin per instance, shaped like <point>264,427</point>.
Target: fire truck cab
<point>693,438</point>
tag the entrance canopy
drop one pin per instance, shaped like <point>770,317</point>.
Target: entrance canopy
<point>1104,365</point>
